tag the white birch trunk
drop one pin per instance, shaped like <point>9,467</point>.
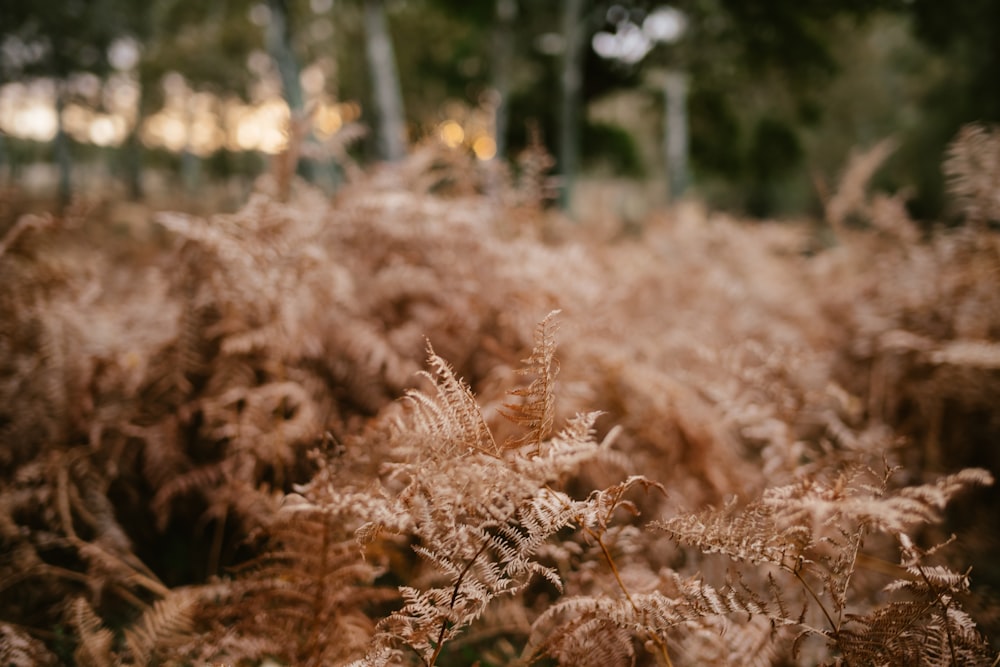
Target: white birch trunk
<point>385,81</point>
<point>572,86</point>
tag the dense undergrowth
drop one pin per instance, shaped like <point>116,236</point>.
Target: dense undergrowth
<point>432,422</point>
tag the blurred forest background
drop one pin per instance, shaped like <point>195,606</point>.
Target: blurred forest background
<point>147,100</point>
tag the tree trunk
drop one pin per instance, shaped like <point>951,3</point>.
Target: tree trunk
<point>385,81</point>
<point>64,161</point>
<point>279,44</point>
<point>191,173</point>
<point>503,50</point>
<point>572,85</point>
<point>675,133</point>
<point>132,158</point>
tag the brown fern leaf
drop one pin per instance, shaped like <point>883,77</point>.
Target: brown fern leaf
<point>19,649</point>
<point>746,533</point>
<point>928,626</point>
<point>450,416</point>
<point>565,452</point>
<point>684,602</point>
<point>813,521</point>
<point>972,167</point>
<point>269,422</point>
<point>591,642</point>
<point>914,506</point>
<point>813,531</point>
<point>535,185</point>
<point>486,555</point>
<point>536,409</point>
<point>199,480</point>
<point>479,521</point>
<point>722,641</point>
<point>162,627</point>
<point>94,640</point>
<point>304,600</point>
<point>915,633</point>
<point>850,197</point>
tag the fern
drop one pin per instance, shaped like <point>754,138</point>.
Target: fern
<point>972,167</point>
<point>302,600</point>
<point>480,516</point>
<point>927,626</point>
<point>536,410</point>
<point>591,642</point>
<point>451,418</point>
<point>166,623</point>
<point>814,532</point>
<point>145,390</point>
<point>94,649</point>
<point>20,649</point>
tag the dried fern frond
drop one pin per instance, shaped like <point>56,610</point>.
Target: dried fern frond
<point>926,626</point>
<point>591,642</point>
<point>789,523</point>
<point>972,167</point>
<point>479,519</point>
<point>268,421</point>
<point>536,410</point>
<point>749,533</point>
<point>910,633</point>
<point>566,451</point>
<point>94,648</point>
<point>19,649</point>
<point>682,603</point>
<point>814,532</point>
<point>450,418</point>
<point>724,641</point>
<point>850,197</point>
<point>303,600</point>
<point>535,185</point>
<point>484,551</point>
<point>166,624</point>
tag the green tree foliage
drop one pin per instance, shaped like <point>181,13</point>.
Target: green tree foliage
<point>967,35</point>
<point>757,70</point>
<point>207,42</point>
<point>752,64</point>
<point>969,32</point>
<point>775,151</point>
<point>55,39</point>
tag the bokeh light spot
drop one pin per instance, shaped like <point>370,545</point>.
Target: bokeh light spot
<point>451,133</point>
<point>484,147</point>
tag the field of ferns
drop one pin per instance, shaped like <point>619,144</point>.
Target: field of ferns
<point>433,421</point>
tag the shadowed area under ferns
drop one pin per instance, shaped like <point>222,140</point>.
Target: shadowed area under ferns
<point>432,422</point>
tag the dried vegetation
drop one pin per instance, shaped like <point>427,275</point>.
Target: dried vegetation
<point>430,422</point>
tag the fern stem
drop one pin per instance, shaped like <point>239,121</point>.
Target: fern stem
<point>614,568</point>
<point>215,550</point>
<point>833,625</point>
<point>423,660</point>
<point>320,593</point>
<point>661,644</point>
<point>454,599</point>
